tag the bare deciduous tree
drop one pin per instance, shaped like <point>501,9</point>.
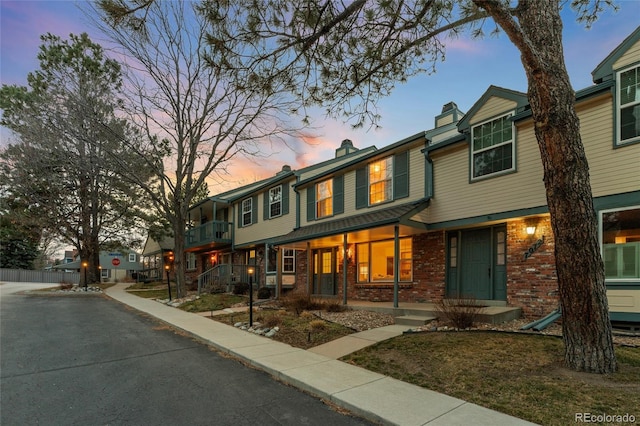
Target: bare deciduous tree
<point>195,113</point>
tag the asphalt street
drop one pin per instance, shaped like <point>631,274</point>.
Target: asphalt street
<point>88,360</point>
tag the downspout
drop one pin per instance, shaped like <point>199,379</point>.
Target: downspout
<point>428,176</point>
<point>278,271</point>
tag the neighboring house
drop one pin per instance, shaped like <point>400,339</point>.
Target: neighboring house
<point>459,210</point>
<point>157,257</point>
<point>115,266</point>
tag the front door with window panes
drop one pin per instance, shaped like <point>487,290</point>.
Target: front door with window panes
<point>477,264</point>
<point>324,266</point>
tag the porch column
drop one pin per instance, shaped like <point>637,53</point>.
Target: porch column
<point>278,271</point>
<point>396,264</point>
<point>309,268</point>
<point>345,262</point>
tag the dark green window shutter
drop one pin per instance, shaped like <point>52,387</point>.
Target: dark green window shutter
<point>401,175</point>
<point>285,198</point>
<point>362,193</point>
<point>254,209</point>
<point>239,214</point>
<point>265,209</point>
<point>311,203</point>
<point>338,194</point>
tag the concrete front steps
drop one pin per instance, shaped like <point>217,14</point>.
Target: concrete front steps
<point>414,320</point>
<point>417,314</point>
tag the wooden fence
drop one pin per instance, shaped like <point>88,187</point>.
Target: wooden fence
<point>38,276</point>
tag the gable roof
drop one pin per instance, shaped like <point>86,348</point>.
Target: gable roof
<point>493,91</point>
<point>362,159</point>
<point>604,70</point>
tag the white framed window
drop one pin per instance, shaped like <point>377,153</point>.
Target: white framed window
<point>324,198</point>
<point>628,99</point>
<point>191,261</point>
<point>288,261</point>
<point>381,181</point>
<point>620,237</point>
<point>492,147</point>
<point>247,207</point>
<point>275,201</point>
<point>132,257</point>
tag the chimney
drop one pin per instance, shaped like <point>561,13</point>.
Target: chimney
<point>346,147</point>
<point>450,114</point>
<point>285,169</point>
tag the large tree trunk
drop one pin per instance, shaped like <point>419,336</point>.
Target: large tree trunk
<point>178,257</point>
<point>585,318</point>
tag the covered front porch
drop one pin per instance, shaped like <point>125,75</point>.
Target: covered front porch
<point>369,256</point>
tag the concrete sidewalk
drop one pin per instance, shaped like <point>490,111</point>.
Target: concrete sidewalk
<point>367,394</point>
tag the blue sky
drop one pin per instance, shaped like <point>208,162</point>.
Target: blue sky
<point>471,67</point>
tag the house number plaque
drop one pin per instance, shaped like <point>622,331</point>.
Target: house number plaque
<point>534,247</point>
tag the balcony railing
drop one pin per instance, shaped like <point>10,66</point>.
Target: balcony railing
<point>222,278</point>
<point>215,232</point>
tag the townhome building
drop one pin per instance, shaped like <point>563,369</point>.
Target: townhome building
<point>455,211</point>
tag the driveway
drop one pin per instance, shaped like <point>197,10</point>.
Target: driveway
<point>79,360</point>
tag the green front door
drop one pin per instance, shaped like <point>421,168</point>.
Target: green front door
<point>323,272</point>
<point>477,264</point>
<point>475,277</point>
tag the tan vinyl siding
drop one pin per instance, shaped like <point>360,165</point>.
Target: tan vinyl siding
<point>456,198</point>
<point>416,189</point>
<point>443,136</point>
<point>632,56</point>
<point>448,119</point>
<point>623,300</point>
<point>492,108</point>
<point>612,171</point>
<point>266,229</point>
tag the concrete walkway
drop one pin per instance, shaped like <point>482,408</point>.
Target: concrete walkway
<point>370,395</point>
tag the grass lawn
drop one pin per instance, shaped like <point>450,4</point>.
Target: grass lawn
<point>518,374</point>
<point>213,302</point>
<point>206,302</point>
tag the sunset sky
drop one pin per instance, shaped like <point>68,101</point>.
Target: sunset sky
<point>471,67</point>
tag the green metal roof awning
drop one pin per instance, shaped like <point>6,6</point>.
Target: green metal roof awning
<point>396,215</point>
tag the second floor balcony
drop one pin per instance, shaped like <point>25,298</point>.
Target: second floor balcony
<point>209,234</point>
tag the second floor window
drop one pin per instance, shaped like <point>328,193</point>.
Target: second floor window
<point>275,201</point>
<point>324,198</point>
<point>629,104</point>
<point>381,181</point>
<point>247,206</point>
<point>492,147</point>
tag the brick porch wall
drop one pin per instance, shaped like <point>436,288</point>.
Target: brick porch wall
<point>428,275</point>
<point>532,283</point>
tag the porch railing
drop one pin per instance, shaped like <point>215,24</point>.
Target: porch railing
<point>222,278</point>
<point>210,232</point>
<point>150,274</point>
